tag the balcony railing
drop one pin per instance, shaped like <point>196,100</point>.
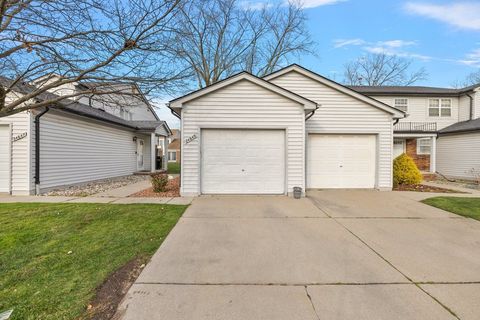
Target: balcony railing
<point>415,127</point>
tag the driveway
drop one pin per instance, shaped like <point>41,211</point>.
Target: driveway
<point>334,255</point>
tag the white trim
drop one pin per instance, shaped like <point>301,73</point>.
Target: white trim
<point>395,112</point>
<point>414,135</point>
<point>394,104</point>
<point>153,152</point>
<point>419,152</point>
<point>308,104</point>
<point>440,108</point>
<point>9,153</point>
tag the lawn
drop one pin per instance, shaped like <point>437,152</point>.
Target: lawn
<point>467,207</point>
<point>173,167</point>
<point>54,256</point>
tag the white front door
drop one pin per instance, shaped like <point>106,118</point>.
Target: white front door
<point>243,162</point>
<point>140,158</point>
<point>398,147</point>
<point>5,138</point>
<point>341,161</point>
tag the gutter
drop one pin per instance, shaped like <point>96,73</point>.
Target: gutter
<point>311,114</point>
<point>172,111</point>
<point>471,106</point>
<point>37,149</point>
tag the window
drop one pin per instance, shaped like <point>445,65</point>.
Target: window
<point>440,108</point>
<point>401,104</point>
<point>424,146</point>
<point>172,156</point>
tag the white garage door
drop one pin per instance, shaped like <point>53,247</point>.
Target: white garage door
<point>4,158</point>
<point>243,161</point>
<point>341,161</point>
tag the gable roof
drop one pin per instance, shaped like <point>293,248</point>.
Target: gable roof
<point>176,104</point>
<point>412,90</point>
<point>337,86</point>
<point>464,126</point>
<point>174,145</point>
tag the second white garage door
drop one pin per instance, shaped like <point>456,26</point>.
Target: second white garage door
<point>243,161</point>
<point>341,161</point>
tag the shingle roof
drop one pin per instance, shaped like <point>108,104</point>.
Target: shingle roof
<point>71,106</point>
<point>379,90</point>
<point>464,126</point>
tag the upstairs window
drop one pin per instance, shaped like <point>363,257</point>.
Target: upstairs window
<point>401,104</point>
<point>440,108</point>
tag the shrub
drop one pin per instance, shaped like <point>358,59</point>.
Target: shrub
<point>405,171</point>
<point>159,182</point>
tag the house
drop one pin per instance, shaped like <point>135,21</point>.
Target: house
<point>292,128</point>
<point>78,141</point>
<point>442,130</point>
<point>174,154</point>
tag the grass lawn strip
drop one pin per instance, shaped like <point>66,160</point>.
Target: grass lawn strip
<point>54,256</point>
<point>467,207</point>
<point>174,168</point>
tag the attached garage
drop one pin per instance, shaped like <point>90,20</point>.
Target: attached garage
<point>294,128</point>
<point>341,161</point>
<point>5,158</point>
<point>243,161</point>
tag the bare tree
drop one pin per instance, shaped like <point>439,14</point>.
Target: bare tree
<point>121,41</point>
<point>473,78</point>
<point>222,37</point>
<point>382,70</point>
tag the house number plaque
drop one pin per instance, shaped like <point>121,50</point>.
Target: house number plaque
<point>190,139</point>
<point>19,137</point>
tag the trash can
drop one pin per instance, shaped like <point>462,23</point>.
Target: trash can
<point>297,192</point>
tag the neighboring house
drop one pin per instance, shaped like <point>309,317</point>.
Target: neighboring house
<point>174,151</point>
<point>293,128</point>
<point>76,143</point>
<point>442,131</point>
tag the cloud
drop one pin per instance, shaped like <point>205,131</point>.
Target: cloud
<point>318,3</point>
<point>254,5</point>
<point>339,43</point>
<point>389,47</point>
<point>472,58</point>
<point>464,15</point>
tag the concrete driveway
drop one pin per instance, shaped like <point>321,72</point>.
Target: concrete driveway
<point>334,255</point>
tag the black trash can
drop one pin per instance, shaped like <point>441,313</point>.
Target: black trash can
<point>297,192</point>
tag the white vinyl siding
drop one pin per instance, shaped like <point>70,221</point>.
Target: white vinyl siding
<point>343,114</point>
<point>20,152</point>
<point>5,158</point>
<point>75,150</point>
<point>242,105</point>
<point>418,110</point>
<point>458,155</point>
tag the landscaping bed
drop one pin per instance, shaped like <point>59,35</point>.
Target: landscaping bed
<point>467,207</point>
<point>93,187</point>
<point>423,188</point>
<point>75,261</point>
<point>172,190</point>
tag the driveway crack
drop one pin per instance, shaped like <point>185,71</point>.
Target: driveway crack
<point>311,303</point>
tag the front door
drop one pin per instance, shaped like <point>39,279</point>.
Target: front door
<point>140,160</point>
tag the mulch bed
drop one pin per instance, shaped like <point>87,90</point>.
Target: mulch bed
<point>423,188</point>
<point>111,292</point>
<point>172,190</point>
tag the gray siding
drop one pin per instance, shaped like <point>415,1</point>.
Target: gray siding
<point>458,154</point>
<point>75,150</point>
<point>20,181</point>
<point>340,113</point>
<point>242,105</point>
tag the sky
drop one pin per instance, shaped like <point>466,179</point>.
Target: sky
<point>443,36</point>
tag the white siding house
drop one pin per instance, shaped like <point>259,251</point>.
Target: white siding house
<point>254,136</point>
<point>458,155</point>
<point>77,143</point>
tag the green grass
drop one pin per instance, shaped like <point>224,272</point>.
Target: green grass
<point>467,207</point>
<point>40,280</point>
<point>173,167</point>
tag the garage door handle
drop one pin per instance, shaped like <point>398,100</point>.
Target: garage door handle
<point>243,170</point>
<point>341,166</point>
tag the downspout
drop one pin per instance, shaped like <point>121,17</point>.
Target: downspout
<point>471,106</point>
<point>311,114</point>
<point>37,149</point>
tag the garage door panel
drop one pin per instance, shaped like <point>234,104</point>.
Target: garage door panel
<point>243,161</point>
<point>341,161</point>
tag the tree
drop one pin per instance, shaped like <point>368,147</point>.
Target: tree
<point>382,70</point>
<point>114,41</point>
<point>221,37</point>
<point>473,78</point>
